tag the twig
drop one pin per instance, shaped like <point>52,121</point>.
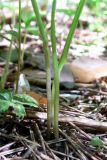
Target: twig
<point>36,128</point>
<point>65,155</point>
<point>74,146</point>
<point>80,131</point>
<point>11,151</point>
<point>79,121</point>
<point>51,151</point>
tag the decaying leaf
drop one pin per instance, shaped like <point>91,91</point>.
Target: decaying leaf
<point>40,99</point>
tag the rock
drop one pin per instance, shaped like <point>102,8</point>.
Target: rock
<point>36,61</point>
<point>87,69</point>
<point>66,74</point>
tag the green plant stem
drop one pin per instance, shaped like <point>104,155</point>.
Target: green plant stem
<point>23,51</point>
<point>63,58</point>
<point>6,70</point>
<point>47,62</point>
<point>55,86</point>
<point>19,54</point>
<point>52,101</point>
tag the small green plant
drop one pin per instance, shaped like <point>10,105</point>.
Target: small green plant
<point>44,37</point>
<point>97,142</point>
<point>53,101</point>
<point>15,103</point>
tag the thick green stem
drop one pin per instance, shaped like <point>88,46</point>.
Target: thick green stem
<point>23,51</point>
<point>56,105</point>
<point>19,54</point>
<point>54,112</point>
<point>47,61</point>
<point>52,101</point>
<point>55,86</point>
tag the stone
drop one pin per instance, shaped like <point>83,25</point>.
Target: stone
<point>87,69</point>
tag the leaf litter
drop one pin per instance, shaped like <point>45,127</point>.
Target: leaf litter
<point>83,107</point>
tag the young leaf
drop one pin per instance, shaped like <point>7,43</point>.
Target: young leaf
<point>96,142</point>
<point>4,105</point>
<point>19,110</point>
<point>27,16</point>
<point>25,100</point>
<point>33,30</point>
<point>14,34</point>
<point>6,95</point>
<point>63,58</point>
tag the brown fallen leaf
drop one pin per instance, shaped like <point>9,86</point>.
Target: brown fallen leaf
<point>41,100</point>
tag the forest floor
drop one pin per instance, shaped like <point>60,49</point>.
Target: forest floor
<point>83,107</point>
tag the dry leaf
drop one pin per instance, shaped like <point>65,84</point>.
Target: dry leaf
<point>41,100</point>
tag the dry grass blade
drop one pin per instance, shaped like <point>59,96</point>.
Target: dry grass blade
<point>43,156</point>
<point>16,158</point>
<point>73,146</point>
<point>11,151</point>
<point>43,143</point>
<point>40,137</point>
<point>64,155</point>
<point>7,146</point>
<point>51,152</point>
<point>80,130</point>
<point>79,147</point>
<point>83,148</point>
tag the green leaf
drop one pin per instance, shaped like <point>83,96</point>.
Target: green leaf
<point>14,55</point>
<point>4,105</point>
<point>19,110</point>
<point>73,26</point>
<point>15,34</point>
<point>17,26</point>
<point>6,95</point>
<point>68,12</point>
<point>96,142</point>
<point>33,30</point>
<point>25,100</point>
<point>27,16</point>
<point>8,5</point>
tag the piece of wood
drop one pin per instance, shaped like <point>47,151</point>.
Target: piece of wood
<point>79,121</point>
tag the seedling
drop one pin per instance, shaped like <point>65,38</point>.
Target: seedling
<point>52,95</point>
<point>53,102</point>
<point>97,142</point>
<point>16,102</point>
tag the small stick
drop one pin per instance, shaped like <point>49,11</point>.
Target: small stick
<point>40,136</point>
